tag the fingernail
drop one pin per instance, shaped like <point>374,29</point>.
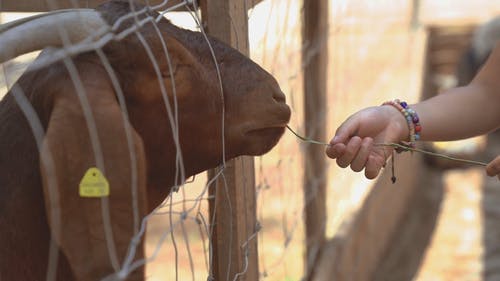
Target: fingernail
<point>335,139</point>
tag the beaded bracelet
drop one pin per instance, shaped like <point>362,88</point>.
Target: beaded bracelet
<point>411,117</point>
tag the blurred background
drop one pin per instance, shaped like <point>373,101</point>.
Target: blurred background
<point>378,50</point>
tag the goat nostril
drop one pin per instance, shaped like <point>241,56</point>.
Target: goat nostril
<point>279,97</point>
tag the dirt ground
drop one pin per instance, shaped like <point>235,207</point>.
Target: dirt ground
<point>465,244</point>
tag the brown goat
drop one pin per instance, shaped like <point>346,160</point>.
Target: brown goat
<point>39,196</point>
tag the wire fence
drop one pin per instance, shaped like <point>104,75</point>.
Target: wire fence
<point>178,231</point>
<point>189,209</point>
<point>374,55</point>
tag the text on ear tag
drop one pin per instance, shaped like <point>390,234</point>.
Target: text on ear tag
<point>94,184</point>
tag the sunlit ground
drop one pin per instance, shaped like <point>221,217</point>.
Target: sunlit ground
<point>455,252</point>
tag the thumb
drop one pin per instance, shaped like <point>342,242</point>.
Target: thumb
<point>346,130</point>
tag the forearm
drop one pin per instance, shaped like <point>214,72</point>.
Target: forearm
<point>466,111</point>
<point>459,113</point>
<point>456,114</point>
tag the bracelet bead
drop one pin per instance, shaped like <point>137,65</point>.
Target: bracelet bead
<point>412,119</point>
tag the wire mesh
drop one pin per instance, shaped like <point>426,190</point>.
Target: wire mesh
<point>374,55</point>
<point>176,219</point>
<point>178,231</point>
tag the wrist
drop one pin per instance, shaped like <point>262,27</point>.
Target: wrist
<point>411,119</point>
<point>398,123</point>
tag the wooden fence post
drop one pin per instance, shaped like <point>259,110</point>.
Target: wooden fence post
<point>415,14</point>
<point>234,243</point>
<point>43,5</point>
<point>315,59</point>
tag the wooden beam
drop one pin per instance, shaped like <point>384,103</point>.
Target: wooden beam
<point>234,242</point>
<point>43,6</point>
<point>367,247</point>
<point>315,58</point>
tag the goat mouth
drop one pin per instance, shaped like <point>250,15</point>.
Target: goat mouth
<point>267,132</point>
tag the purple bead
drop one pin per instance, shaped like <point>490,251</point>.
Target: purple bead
<point>415,119</point>
<point>404,104</point>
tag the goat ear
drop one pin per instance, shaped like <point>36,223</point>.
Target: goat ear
<point>93,232</point>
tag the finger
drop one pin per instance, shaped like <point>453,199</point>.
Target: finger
<point>345,131</point>
<point>335,151</point>
<point>360,160</point>
<point>350,152</point>
<point>493,168</point>
<point>373,166</point>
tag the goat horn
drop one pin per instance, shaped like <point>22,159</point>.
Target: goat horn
<point>40,31</point>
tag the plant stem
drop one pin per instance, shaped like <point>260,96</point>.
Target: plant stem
<point>396,145</point>
<point>407,148</point>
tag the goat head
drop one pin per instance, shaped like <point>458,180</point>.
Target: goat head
<point>147,109</point>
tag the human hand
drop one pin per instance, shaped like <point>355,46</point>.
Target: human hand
<point>355,141</point>
<point>493,168</point>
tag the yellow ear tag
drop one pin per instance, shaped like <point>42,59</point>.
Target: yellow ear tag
<point>94,184</point>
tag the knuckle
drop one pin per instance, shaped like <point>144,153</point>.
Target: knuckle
<point>365,145</point>
<point>356,168</point>
<point>367,142</point>
<point>350,151</point>
<point>342,163</point>
<point>496,165</point>
<point>353,147</point>
<point>493,168</point>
